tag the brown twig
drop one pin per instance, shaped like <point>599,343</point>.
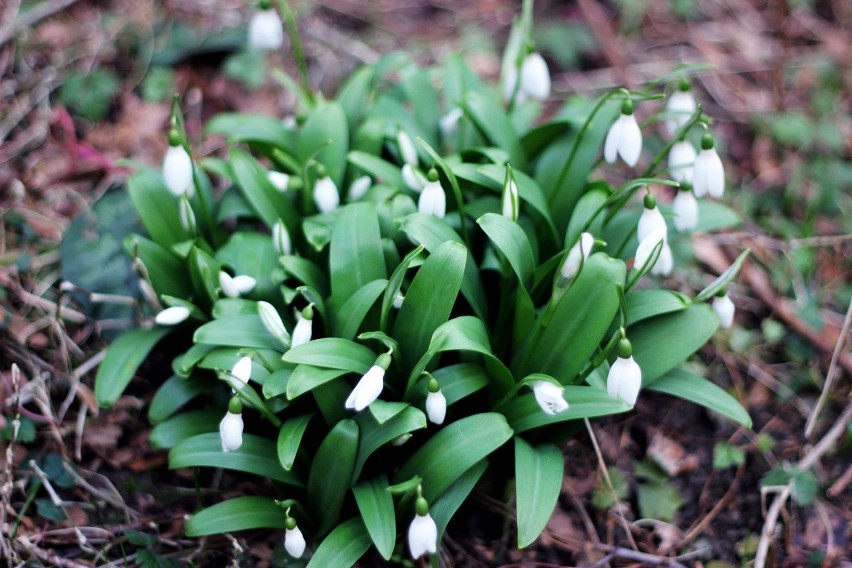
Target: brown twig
<point>644,557</point>
<point>699,528</point>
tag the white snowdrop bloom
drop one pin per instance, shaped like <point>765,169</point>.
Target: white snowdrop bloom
<point>724,308</point>
<point>359,188</point>
<point>414,180</point>
<point>244,283</point>
<point>624,138</point>
<point>685,208</point>
<point>242,369</point>
<point>510,202</point>
<point>177,171</point>
<point>433,200</point>
<point>422,536</point>
<point>436,403</point>
<point>265,30</point>
<point>535,77</point>
<point>577,255</point>
<point>398,299</point>
<point>294,542</point>
<point>281,238</point>
<point>229,287</point>
<point>272,322</point>
<point>549,397</point>
<point>708,177</point>
<point>407,151</point>
<point>369,387</point>
<point>665,263</point>
<point>651,219</point>
<point>510,82</point>
<point>449,123</point>
<point>625,377</point>
<point>326,196</point>
<point>680,106</point>
<point>304,328</point>
<point>289,121</point>
<point>231,431</point>
<point>647,246</point>
<point>279,180</point>
<point>172,316</point>
<point>682,161</point>
<point>186,214</point>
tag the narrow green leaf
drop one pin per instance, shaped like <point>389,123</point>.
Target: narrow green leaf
<point>355,255</point>
<point>376,506</point>
<point>375,435</point>
<point>241,513</point>
<point>306,378</point>
<point>173,431</point>
<point>418,89</point>
<point>493,123</point>
<point>173,394</point>
<point>461,380</point>
<point>538,481</point>
<point>122,360</point>
<point>512,242</point>
<point>276,383</point>
<point>156,206</point>
<point>331,473</point>
<point>343,546</point>
<point>354,93</point>
<point>204,274</point>
<point>333,353</point>
<point>715,216</point>
<point>237,331</point>
<point>166,271</point>
<point>524,413</point>
<point>699,390</point>
<point>266,201</point>
<point>289,439</point>
<point>444,507</point>
<point>378,168</point>
<point>724,279</point>
<point>306,272</point>
<point>588,214</point>
<point>395,284</point>
<point>251,254</point>
<point>325,138</point>
<point>644,304</point>
<point>253,128</point>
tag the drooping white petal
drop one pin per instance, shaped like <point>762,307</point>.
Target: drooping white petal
<point>279,180</point>
<point>724,308</point>
<point>624,380</point>
<point>244,283</point>
<point>302,332</point>
<point>186,214</point>
<point>359,188</point>
<point>685,209</point>
<point>624,139</point>
<point>177,171</point>
<point>449,123</point>
<point>281,239</point>
<point>265,30</point>
<point>510,81</point>
<point>172,316</point>
<point>577,255</point>
<point>535,77</point>
<point>436,407</point>
<point>231,432</point>
<point>406,149</point>
<point>682,161</point>
<point>326,196</point>
<point>229,287</point>
<point>367,390</point>
<point>414,180</point>
<point>433,200</point>
<point>647,246</point>
<point>650,221</point>
<point>272,322</point>
<point>294,542</point>
<point>398,299</point>
<point>708,174</point>
<point>679,108</point>
<point>242,369</point>
<point>665,263</point>
<point>422,536</point>
<point>549,397</point>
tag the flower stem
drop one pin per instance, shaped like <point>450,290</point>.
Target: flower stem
<point>298,51</point>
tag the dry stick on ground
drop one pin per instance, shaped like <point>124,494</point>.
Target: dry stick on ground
<point>644,557</point>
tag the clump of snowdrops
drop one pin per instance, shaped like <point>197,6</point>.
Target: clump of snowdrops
<point>415,282</point>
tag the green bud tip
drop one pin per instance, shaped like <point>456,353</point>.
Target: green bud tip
<point>627,106</point>
<point>383,361</point>
<point>421,507</point>
<point>290,523</point>
<point>174,137</point>
<point>320,170</point>
<point>649,201</point>
<point>684,186</point>
<point>707,141</point>
<point>308,312</point>
<point>722,292</point>
<point>684,84</point>
<point>434,385</point>
<point>624,349</point>
<point>432,175</point>
<point>235,405</point>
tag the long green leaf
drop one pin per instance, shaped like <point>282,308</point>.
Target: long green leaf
<point>156,207</point>
<point>306,272</point>
<point>266,201</point>
<point>380,169</point>
<point>494,125</point>
<point>237,331</point>
<point>355,254</point>
<point>444,507</point>
<point>173,394</point>
<point>180,427</point>
<point>375,435</point>
<point>395,284</point>
<point>524,413</point>
<point>289,439</point>
<point>253,128</point>
<point>538,481</point>
<point>645,304</point>
<point>699,390</point>
<point>166,271</point>
<point>333,353</point>
<point>724,279</point>
<point>513,243</point>
<point>241,513</point>
<point>325,138</point>
<point>306,378</point>
<point>122,360</point>
<point>251,254</point>
<point>354,93</point>
<point>331,473</point>
<point>343,547</point>
<point>376,506</point>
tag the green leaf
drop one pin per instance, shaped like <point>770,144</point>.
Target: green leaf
<point>378,168</point>
<point>173,394</point>
<point>276,383</point>
<point>247,68</point>
<point>395,284</point>
<point>306,378</point>
<point>166,271</point>
<point>90,93</point>
<point>538,481</point>
<point>257,455</point>
<point>444,507</point>
<point>376,506</point>
<point>461,380</point>
<point>266,201</point>
<point>251,254</point>
<point>355,255</point>
<point>663,342</point>
<point>331,473</point>
<point>289,438</point>
<point>343,546</point>
<point>726,455</point>
<point>423,99</point>
<point>325,138</point>
<point>171,432</point>
<point>659,501</point>
<point>724,279</point>
<point>524,413</point>
<point>644,304</point>
<point>157,208</point>
<point>48,510</point>
<point>454,450</point>
<point>430,300</point>
<point>354,93</point>
<point>253,128</point>
<point>306,272</point>
<point>493,123</point>
<point>603,498</point>
<point>715,216</point>
<point>237,331</point>
<point>241,513</point>
<point>333,353</point>
<point>588,214</point>
<point>512,242</point>
<point>375,435</point>
<point>693,388</point>
<point>122,360</point>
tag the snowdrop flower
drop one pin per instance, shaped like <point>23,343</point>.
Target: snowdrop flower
<point>231,426</point>
<point>535,77</point>
<point>359,188</point>
<point>510,202</point>
<point>326,196</point>
<point>433,200</point>
<point>304,327</point>
<point>407,151</point>
<point>281,238</point>
<point>577,256</point>
<point>680,106</point>
<point>279,180</point>
<point>624,137</point>
<point>265,29</point>
<point>370,386</point>
<point>685,208</point>
<point>423,532</point>
<point>414,180</point>
<point>172,316</point>
<point>708,177</point>
<point>177,167</point>
<point>664,263</point>
<point>272,322</point>
<point>449,123</point>
<point>294,540</point>
<point>510,84</point>
<point>681,160</point>
<point>651,218</point>
<point>229,287</point>
<point>242,369</point>
<point>724,308</point>
<point>244,283</point>
<point>549,397</point>
<point>625,377</point>
<point>398,299</point>
<point>186,214</point>
<point>436,403</point>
